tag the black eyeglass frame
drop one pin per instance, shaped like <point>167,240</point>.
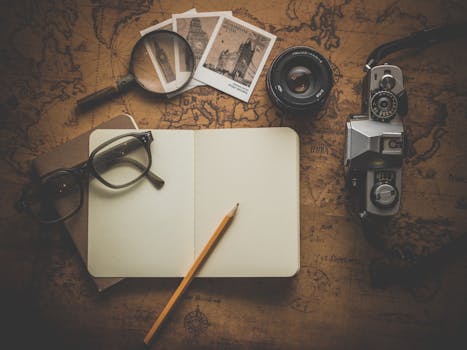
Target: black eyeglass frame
<point>144,137</point>
<point>79,172</point>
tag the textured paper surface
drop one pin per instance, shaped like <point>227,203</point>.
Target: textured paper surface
<point>257,168</point>
<point>144,232</point>
<point>141,231</point>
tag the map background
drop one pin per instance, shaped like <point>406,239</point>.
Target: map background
<point>54,52</point>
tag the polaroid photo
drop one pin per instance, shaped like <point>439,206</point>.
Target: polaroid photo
<point>234,57</point>
<point>166,72</point>
<point>197,29</point>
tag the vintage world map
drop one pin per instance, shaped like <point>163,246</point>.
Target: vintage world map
<point>55,52</point>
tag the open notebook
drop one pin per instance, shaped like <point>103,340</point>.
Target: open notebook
<point>144,232</point>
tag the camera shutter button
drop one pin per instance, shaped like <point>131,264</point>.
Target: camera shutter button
<point>384,195</point>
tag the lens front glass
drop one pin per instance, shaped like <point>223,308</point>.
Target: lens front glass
<point>56,197</point>
<point>298,79</point>
<point>122,162</point>
<point>155,59</point>
<point>302,78</point>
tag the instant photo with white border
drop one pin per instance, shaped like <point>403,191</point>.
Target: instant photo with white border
<point>166,25</point>
<point>235,57</point>
<point>199,49</point>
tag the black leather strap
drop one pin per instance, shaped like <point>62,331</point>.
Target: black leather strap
<point>399,265</point>
<point>420,39</point>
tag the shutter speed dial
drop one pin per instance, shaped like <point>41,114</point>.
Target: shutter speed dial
<point>384,195</point>
<point>384,106</point>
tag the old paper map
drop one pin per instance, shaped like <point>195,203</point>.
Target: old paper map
<point>55,52</point>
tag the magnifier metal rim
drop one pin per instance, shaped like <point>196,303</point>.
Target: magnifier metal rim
<point>140,42</point>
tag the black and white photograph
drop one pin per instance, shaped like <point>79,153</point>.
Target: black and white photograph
<point>163,56</point>
<point>196,28</point>
<point>235,57</point>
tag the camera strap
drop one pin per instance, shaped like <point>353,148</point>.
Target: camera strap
<point>422,39</point>
<point>400,265</point>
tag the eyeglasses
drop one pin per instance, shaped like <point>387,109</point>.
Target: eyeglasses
<point>117,163</point>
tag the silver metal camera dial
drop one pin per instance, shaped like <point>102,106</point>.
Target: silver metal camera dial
<point>383,106</point>
<point>384,195</point>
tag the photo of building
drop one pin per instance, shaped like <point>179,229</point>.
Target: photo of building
<point>236,52</point>
<point>197,37</point>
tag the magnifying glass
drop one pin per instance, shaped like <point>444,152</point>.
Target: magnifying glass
<point>152,67</point>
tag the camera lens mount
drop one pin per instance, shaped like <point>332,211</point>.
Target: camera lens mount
<point>299,80</point>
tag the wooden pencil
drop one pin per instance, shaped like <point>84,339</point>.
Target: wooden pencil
<point>191,274</point>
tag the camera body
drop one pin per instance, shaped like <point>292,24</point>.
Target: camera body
<point>374,145</point>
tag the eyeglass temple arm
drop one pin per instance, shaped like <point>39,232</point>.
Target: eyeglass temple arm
<point>157,181</point>
<point>152,177</point>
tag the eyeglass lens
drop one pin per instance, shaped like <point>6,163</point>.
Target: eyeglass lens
<point>60,194</point>
<point>56,197</point>
<point>122,162</point>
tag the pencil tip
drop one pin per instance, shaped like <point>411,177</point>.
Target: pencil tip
<point>234,210</point>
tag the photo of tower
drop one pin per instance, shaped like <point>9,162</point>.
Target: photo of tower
<point>197,31</point>
<point>197,37</point>
<point>163,61</point>
<point>237,63</point>
<point>236,52</point>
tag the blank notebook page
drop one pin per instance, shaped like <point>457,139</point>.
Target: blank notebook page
<point>141,231</point>
<point>258,168</point>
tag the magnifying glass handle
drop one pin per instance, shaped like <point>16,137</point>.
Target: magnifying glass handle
<point>105,93</point>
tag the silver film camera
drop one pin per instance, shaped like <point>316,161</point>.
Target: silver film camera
<point>374,145</point>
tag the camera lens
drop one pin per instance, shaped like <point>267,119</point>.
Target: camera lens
<point>299,80</point>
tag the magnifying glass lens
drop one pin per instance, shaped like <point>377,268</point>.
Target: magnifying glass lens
<point>156,62</point>
<point>162,62</point>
